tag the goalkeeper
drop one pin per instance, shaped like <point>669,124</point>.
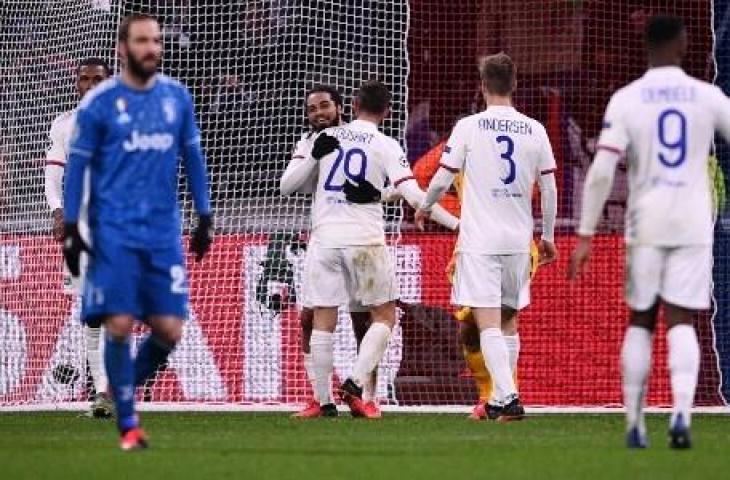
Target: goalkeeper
<point>129,133</point>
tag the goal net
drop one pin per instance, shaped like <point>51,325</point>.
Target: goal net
<point>248,65</point>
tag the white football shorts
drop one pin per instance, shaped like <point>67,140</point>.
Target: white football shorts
<point>492,281</point>
<point>681,276</point>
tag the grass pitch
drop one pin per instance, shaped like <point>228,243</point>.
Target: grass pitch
<point>400,446</point>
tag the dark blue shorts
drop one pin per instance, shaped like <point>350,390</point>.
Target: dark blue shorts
<point>137,281</point>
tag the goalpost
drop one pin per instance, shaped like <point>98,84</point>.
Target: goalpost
<point>248,65</point>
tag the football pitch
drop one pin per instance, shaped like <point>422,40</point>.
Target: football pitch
<point>400,446</point>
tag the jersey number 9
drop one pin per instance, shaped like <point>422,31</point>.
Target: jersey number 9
<point>675,145</point>
<point>347,159</point>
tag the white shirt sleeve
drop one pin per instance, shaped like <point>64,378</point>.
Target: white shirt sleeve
<point>54,185</point>
<point>454,154</point>
<point>546,163</point>
<point>614,135</point>
<point>396,165</point>
<point>301,173</point>
<point>722,113</point>
<point>548,204</point>
<point>596,190</point>
<point>415,197</point>
<point>56,153</point>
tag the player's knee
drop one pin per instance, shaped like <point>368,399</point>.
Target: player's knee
<point>119,326</point>
<point>509,321</point>
<point>168,330</point>
<point>469,336</point>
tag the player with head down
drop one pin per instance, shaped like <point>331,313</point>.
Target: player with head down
<point>347,258</point>
<point>324,106</point>
<point>664,122</point>
<point>129,133</point>
<point>89,73</point>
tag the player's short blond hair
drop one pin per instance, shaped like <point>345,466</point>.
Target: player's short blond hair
<point>498,74</point>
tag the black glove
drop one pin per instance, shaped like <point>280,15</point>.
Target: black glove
<point>324,145</point>
<point>73,245</point>
<point>202,237</point>
<point>362,192</point>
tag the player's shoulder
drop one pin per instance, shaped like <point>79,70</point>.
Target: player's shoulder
<point>100,93</point>
<point>62,119</point>
<point>174,85</point>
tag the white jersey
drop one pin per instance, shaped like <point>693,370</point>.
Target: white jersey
<point>665,122</point>
<point>366,153</point>
<point>60,138</point>
<point>501,152</point>
<point>302,151</point>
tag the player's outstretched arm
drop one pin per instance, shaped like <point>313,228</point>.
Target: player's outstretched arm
<point>417,198</point>
<point>429,207</point>
<point>549,206</point>
<point>596,190</point>
<point>53,181</point>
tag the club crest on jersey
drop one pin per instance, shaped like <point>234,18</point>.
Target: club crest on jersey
<point>404,162</point>
<point>123,117</point>
<point>168,108</point>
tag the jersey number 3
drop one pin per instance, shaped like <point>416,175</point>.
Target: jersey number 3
<point>346,158</point>
<point>507,156</point>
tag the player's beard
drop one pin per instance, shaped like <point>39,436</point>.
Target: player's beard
<point>318,127</point>
<point>137,68</point>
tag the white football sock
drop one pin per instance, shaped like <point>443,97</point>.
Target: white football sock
<point>496,358</point>
<point>372,349</point>
<point>635,365</point>
<point>684,366</point>
<point>309,368</point>
<point>321,344</point>
<point>94,356</point>
<point>369,388</point>
<point>513,348</point>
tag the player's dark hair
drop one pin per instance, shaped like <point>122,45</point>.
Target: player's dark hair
<point>123,34</point>
<point>334,94</point>
<point>662,30</point>
<point>373,97</point>
<point>94,62</point>
<point>498,74</point>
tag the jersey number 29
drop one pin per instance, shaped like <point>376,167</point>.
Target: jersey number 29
<point>347,159</point>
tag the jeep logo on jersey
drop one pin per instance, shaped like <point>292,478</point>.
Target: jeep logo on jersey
<point>152,141</point>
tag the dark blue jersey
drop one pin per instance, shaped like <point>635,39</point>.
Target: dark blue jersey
<point>131,140</point>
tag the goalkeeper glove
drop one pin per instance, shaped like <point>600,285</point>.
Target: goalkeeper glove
<point>73,245</point>
<point>324,145</point>
<point>202,237</point>
<point>363,192</point>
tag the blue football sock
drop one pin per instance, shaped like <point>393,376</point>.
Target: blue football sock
<point>120,370</point>
<point>150,356</point>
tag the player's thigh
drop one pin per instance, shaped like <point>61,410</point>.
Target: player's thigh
<point>687,277</point>
<point>515,280</point>
<point>164,286</point>
<point>325,277</point>
<point>477,281</point>
<point>370,275</point>
<point>644,270</point>
<point>112,282</point>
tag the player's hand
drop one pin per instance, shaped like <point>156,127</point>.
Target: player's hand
<point>362,193</point>
<point>421,217</point>
<point>202,237</point>
<point>58,225</point>
<point>579,257</point>
<point>73,245</point>
<point>324,145</point>
<point>547,252</point>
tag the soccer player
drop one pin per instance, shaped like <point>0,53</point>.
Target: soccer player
<point>324,110</point>
<point>664,123</point>
<point>89,73</point>
<point>129,132</point>
<point>347,258</point>
<point>501,152</point>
